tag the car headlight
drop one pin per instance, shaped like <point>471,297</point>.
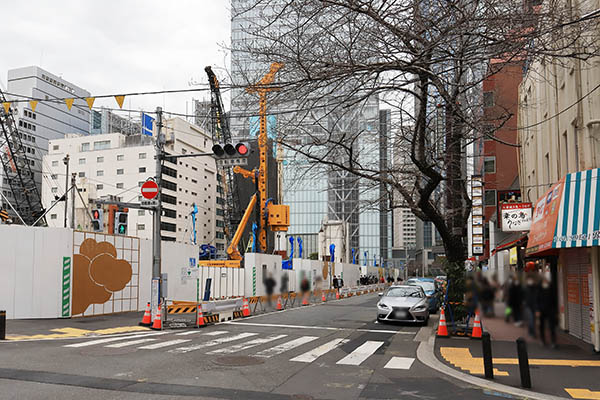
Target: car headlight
<point>419,307</point>
<point>382,305</point>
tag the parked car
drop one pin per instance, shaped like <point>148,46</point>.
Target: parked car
<point>406,303</point>
<point>431,291</point>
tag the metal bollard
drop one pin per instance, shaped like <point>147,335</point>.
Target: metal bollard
<point>486,343</point>
<point>2,325</point>
<point>523,363</point>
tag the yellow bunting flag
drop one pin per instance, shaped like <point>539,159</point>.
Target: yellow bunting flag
<point>69,103</point>
<point>33,104</point>
<point>90,101</point>
<point>6,106</point>
<point>120,100</point>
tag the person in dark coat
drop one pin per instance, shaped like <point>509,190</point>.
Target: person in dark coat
<point>269,287</point>
<point>547,310</point>
<point>531,303</point>
<point>335,282</point>
<point>515,300</point>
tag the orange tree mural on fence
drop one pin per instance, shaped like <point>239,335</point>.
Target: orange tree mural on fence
<point>97,274</point>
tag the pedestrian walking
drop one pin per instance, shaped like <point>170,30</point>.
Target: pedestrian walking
<point>269,283</point>
<point>547,309</point>
<point>284,283</point>
<point>531,303</point>
<point>515,300</point>
<point>335,282</point>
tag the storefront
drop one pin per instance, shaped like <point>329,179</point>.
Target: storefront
<point>566,233</point>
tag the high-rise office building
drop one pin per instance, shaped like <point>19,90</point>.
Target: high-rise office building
<point>314,192</point>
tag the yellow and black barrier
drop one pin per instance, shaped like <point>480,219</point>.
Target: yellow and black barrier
<point>178,309</point>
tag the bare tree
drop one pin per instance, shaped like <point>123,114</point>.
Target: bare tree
<point>425,61</point>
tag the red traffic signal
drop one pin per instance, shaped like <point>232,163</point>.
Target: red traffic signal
<point>242,149</point>
<point>229,150</point>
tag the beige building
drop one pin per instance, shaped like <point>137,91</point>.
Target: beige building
<point>559,134</point>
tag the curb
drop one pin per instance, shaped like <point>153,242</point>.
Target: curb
<point>426,355</point>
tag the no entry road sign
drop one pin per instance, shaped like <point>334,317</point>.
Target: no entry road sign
<point>149,189</point>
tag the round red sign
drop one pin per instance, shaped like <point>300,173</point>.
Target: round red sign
<point>149,190</point>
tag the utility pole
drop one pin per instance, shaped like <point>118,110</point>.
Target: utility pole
<point>72,201</point>
<point>66,161</point>
<point>156,238</point>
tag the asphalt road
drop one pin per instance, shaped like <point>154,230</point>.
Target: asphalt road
<point>328,351</point>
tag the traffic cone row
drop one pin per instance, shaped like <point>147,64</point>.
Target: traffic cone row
<point>477,331</point>
<point>157,325</point>
<point>147,319</point>
<point>245,308</point>
<point>442,330</point>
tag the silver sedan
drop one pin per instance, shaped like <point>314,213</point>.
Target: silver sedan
<point>403,303</point>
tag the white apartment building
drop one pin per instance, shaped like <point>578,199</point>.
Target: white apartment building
<point>50,120</point>
<point>405,228</point>
<point>116,165</point>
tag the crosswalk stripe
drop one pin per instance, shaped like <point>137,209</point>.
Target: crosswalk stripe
<point>400,363</point>
<point>243,346</point>
<point>130,343</point>
<point>361,353</point>
<point>281,348</point>
<point>213,342</point>
<point>312,355</point>
<point>164,344</point>
<point>212,333</point>
<point>112,339</point>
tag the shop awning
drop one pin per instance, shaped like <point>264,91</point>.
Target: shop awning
<point>513,240</point>
<point>568,214</point>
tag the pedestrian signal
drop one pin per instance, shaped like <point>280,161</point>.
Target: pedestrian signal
<point>97,220</point>
<point>120,223</point>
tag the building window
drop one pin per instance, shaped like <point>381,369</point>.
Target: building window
<point>100,159</point>
<point>81,174</point>
<point>102,145</point>
<point>52,216</point>
<point>141,212</point>
<point>55,147</point>
<point>54,190</point>
<point>489,165</point>
<point>141,227</point>
<point>142,156</point>
<point>55,163</point>
<point>120,157</point>
<point>54,176</point>
<point>82,161</point>
<point>166,226</point>
<point>85,147</point>
<point>120,185</point>
<point>120,171</point>
<point>100,173</point>
<point>99,186</point>
<point>140,183</point>
<point>490,197</point>
<point>142,169</point>
<point>488,99</point>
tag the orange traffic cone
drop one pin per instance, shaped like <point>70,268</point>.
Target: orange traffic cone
<point>245,308</point>
<point>147,319</point>
<point>477,332</point>
<point>337,294</point>
<point>157,326</point>
<point>323,299</point>
<point>305,300</point>
<point>442,328</point>
<point>200,317</point>
<point>279,306</point>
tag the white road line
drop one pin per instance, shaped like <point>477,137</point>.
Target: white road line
<point>130,343</point>
<point>361,353</point>
<point>112,339</point>
<point>213,342</point>
<point>312,355</point>
<point>164,344</point>
<point>243,346</point>
<point>292,344</point>
<point>213,333</point>
<point>400,363</point>
<point>329,328</point>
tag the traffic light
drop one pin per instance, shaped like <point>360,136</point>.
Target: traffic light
<point>230,154</point>
<point>120,223</point>
<point>97,220</point>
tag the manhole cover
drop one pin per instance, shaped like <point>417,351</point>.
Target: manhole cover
<point>103,351</point>
<point>238,361</point>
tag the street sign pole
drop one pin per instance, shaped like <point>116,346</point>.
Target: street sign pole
<point>156,238</point>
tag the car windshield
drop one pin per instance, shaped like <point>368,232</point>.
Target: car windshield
<point>427,286</point>
<point>403,292</point>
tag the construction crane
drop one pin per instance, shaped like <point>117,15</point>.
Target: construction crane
<point>222,134</point>
<point>273,216</point>
<point>17,169</point>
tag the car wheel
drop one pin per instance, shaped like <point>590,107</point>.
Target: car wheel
<point>425,321</point>
<point>380,320</point>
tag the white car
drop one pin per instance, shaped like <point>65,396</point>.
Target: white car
<point>405,303</point>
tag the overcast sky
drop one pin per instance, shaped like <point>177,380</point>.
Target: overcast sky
<point>112,47</point>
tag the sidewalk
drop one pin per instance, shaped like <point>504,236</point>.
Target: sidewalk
<point>571,370</point>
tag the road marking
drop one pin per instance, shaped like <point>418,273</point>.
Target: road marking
<point>130,343</point>
<point>400,363</point>
<point>361,353</point>
<point>75,333</point>
<point>329,328</point>
<point>583,394</point>
<point>312,355</point>
<point>282,348</point>
<point>112,339</point>
<point>243,346</point>
<point>164,344</point>
<point>213,342</point>
<point>213,333</point>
